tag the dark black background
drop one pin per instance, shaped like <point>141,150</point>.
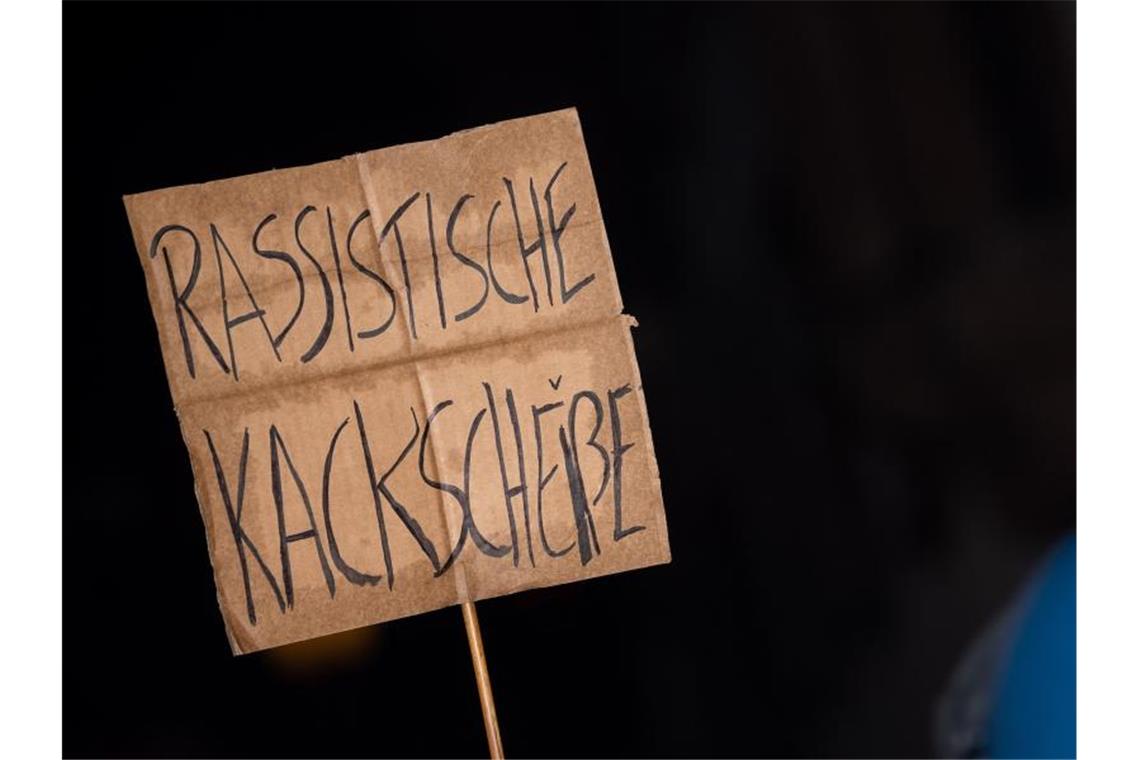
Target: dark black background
<point>851,225</point>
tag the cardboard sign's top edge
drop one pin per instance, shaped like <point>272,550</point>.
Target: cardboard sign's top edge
<point>571,112</point>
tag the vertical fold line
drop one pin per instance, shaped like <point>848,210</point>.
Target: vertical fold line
<point>460,578</point>
<point>457,569</point>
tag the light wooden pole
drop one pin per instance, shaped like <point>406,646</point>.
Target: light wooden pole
<point>483,680</point>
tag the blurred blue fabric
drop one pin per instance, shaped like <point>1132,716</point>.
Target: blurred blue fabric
<point>1035,713</point>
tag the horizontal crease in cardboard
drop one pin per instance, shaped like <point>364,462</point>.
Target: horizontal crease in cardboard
<point>383,364</point>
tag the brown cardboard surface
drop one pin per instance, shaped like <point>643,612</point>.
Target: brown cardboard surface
<point>404,379</point>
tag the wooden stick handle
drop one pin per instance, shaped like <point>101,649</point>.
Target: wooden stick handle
<point>483,680</point>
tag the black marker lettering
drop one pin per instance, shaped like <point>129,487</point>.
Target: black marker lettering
<point>276,445</point>
<point>375,278</point>
<point>410,522</point>
<point>435,267</point>
<point>618,452</point>
<point>556,230</point>
<point>461,495</point>
<point>256,313</point>
<point>583,520</point>
<point>340,277</point>
<point>465,260</point>
<point>526,251</point>
<point>504,294</point>
<point>241,539</point>
<point>509,491</point>
<point>353,575</point>
<point>293,265</point>
<point>544,478</point>
<point>376,503</point>
<point>593,440</point>
<point>326,328</point>
<point>180,298</point>
<point>393,225</point>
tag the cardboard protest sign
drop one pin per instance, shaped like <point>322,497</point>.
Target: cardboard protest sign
<point>404,379</point>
